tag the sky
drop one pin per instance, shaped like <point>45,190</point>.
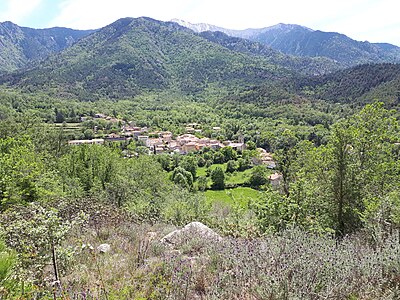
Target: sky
<point>363,20</point>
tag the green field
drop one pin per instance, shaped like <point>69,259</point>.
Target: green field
<point>203,170</point>
<point>235,178</point>
<point>68,127</point>
<point>240,195</point>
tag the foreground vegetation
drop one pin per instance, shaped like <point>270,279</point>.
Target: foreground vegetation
<point>292,264</point>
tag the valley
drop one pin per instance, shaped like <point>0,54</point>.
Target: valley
<point>279,161</point>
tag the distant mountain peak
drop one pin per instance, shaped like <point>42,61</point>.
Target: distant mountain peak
<point>8,23</point>
<point>198,27</point>
<point>284,26</point>
<point>201,27</point>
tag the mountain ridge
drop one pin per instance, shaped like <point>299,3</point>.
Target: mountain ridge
<point>298,40</point>
<point>134,56</point>
<point>20,47</point>
<point>131,55</point>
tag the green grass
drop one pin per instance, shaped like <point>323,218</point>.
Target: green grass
<point>233,178</point>
<point>237,177</point>
<point>67,126</point>
<point>203,170</point>
<point>240,195</point>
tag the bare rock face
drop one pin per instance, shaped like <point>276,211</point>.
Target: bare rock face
<point>194,230</point>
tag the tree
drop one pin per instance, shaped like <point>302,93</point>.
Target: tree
<point>165,161</point>
<point>251,145</point>
<point>231,166</point>
<point>23,176</point>
<point>201,162</point>
<point>189,163</point>
<point>365,167</point>
<point>229,153</point>
<point>243,164</point>
<point>88,134</point>
<point>36,234</point>
<point>60,118</point>
<point>202,183</point>
<point>142,150</point>
<point>142,187</point>
<point>258,176</point>
<point>346,183</point>
<point>182,177</point>
<point>218,178</point>
<point>89,166</point>
<point>285,155</point>
<point>218,158</point>
<point>182,180</point>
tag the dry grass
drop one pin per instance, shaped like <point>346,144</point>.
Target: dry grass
<point>294,265</point>
<point>291,265</point>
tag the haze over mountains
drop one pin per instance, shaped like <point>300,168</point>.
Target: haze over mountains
<point>134,56</point>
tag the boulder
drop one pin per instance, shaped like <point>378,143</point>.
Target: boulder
<point>104,248</point>
<point>191,231</point>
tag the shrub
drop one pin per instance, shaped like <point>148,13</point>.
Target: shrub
<point>231,166</point>
<point>258,176</point>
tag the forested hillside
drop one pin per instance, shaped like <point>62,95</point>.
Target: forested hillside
<point>304,65</point>
<point>360,84</point>
<point>301,41</point>
<point>135,55</point>
<point>21,46</point>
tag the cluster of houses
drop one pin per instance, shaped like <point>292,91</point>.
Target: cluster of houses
<point>264,158</point>
<point>164,142</point>
<point>185,143</point>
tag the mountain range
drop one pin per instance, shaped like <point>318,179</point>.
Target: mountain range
<point>302,41</point>
<point>134,56</point>
<point>130,56</point>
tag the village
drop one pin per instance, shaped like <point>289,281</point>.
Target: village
<point>159,142</point>
<point>162,141</point>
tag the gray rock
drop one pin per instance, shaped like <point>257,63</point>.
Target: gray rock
<point>191,231</point>
<point>104,248</point>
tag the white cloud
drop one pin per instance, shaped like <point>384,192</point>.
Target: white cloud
<point>373,20</point>
<point>17,10</point>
